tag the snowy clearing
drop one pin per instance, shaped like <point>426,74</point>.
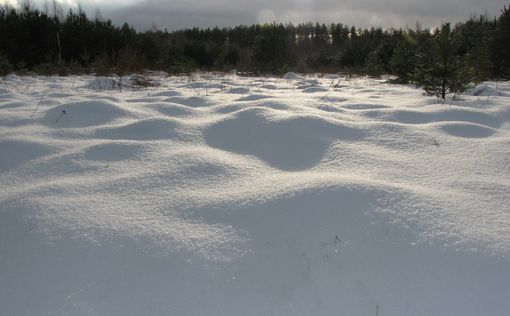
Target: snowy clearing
<point>225,195</point>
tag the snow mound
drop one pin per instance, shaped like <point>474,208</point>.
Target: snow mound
<point>315,89</point>
<point>12,105</point>
<point>57,95</point>
<point>467,130</point>
<point>84,113</point>
<point>103,83</point>
<point>294,143</point>
<point>148,129</point>
<point>239,90</point>
<point>364,106</point>
<point>16,153</point>
<point>286,205</point>
<point>254,97</point>
<point>112,152</point>
<point>194,102</point>
<point>433,115</point>
<point>12,78</point>
<point>172,109</point>
<point>485,90</point>
<point>292,76</point>
<point>202,85</point>
<point>238,106</point>
<point>312,82</point>
<point>166,93</point>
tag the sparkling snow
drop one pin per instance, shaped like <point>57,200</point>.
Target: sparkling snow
<point>225,195</point>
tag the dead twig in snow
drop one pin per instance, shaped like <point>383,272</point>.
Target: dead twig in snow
<point>61,114</point>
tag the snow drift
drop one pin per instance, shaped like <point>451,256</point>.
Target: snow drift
<point>256,196</point>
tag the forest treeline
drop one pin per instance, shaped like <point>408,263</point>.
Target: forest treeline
<point>51,41</point>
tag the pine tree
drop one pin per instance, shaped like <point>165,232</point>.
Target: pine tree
<point>374,67</point>
<point>500,47</point>
<point>273,49</point>
<point>475,35</point>
<point>403,62</point>
<point>440,69</point>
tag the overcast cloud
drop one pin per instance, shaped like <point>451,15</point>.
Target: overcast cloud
<point>177,14</point>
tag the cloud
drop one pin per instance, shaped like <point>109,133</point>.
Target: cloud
<point>389,13</point>
<point>12,3</point>
<point>178,14</point>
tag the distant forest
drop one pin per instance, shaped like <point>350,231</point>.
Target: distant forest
<point>49,41</point>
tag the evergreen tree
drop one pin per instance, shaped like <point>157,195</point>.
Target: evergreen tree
<point>475,35</point>
<point>403,62</point>
<point>49,40</point>
<point>500,45</point>
<point>374,66</point>
<point>273,49</point>
<point>5,66</point>
<point>440,70</point>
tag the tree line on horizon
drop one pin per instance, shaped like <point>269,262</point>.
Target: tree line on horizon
<point>48,41</point>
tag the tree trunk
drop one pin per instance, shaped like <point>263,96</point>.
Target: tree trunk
<point>443,88</point>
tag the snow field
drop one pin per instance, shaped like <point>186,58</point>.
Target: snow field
<point>224,195</point>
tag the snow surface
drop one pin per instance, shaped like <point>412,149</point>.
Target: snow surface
<point>223,195</point>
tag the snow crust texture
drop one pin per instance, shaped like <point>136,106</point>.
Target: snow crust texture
<point>226,195</point>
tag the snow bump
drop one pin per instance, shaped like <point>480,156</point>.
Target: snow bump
<point>148,129</point>
<point>112,152</point>
<point>18,152</point>
<point>467,130</point>
<point>293,143</point>
<point>83,114</point>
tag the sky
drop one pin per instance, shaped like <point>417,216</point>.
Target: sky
<point>178,14</point>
